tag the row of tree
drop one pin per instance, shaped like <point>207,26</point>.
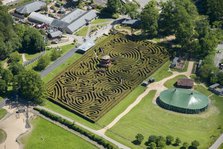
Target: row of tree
<point>194,35</point>
<point>154,142</point>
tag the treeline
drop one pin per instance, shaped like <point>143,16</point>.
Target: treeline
<point>160,142</point>
<point>25,83</point>
<point>194,34</point>
<point>74,127</point>
<point>14,37</point>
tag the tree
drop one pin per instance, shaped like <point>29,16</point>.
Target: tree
<point>14,57</point>
<point>169,139</point>
<point>195,144</point>
<point>139,138</point>
<point>16,68</point>
<point>32,41</point>
<point>131,9</point>
<point>177,141</point>
<point>114,6</point>
<point>42,63</point>
<point>214,9</point>
<point>55,54</point>
<point>160,142</point>
<point>152,145</point>
<point>7,76</point>
<point>185,145</point>
<point>149,17</point>
<point>29,85</point>
<point>152,138</point>
<point>3,86</point>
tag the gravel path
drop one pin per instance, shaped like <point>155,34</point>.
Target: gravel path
<point>217,143</point>
<point>159,86</point>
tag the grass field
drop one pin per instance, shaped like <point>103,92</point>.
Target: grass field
<point>3,136</point>
<point>46,135</point>
<point>3,112</point>
<point>148,119</point>
<point>82,31</point>
<point>162,72</point>
<point>96,21</point>
<point>170,83</point>
<point>107,118</point>
<point>202,89</point>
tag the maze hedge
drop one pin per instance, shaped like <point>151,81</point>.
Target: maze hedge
<point>90,91</point>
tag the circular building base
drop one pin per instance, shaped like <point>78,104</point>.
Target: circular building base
<point>183,101</point>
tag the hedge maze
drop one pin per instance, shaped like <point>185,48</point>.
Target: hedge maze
<point>90,91</point>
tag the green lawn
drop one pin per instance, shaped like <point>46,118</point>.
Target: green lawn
<point>162,72</point>
<point>46,135</point>
<point>221,147</point>
<point>3,112</point>
<point>31,56</point>
<point>170,83</point>
<point>202,89</point>
<point>3,136</point>
<point>107,118</point>
<point>82,31</point>
<point>96,21</point>
<point>148,119</point>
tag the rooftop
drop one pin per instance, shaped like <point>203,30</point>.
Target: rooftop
<point>184,98</point>
<point>30,7</point>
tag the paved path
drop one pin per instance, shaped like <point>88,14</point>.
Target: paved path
<point>159,86</point>
<point>87,128</point>
<point>23,58</point>
<point>57,62</point>
<point>217,143</point>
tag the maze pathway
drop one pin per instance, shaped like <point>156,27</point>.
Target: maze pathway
<point>90,91</point>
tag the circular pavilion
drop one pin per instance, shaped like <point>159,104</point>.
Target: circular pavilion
<point>183,100</point>
<point>105,61</point>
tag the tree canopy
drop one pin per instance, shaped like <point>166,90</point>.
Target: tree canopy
<point>29,85</point>
<point>149,17</point>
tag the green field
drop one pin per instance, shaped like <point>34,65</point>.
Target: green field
<point>3,136</point>
<point>148,119</point>
<point>170,83</point>
<point>46,135</point>
<point>97,21</point>
<point>162,72</point>
<point>3,112</point>
<point>82,31</point>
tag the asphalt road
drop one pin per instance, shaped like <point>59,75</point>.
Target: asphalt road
<point>58,62</point>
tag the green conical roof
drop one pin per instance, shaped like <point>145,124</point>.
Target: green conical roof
<point>184,98</point>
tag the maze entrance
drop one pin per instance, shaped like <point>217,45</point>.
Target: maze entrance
<point>90,90</point>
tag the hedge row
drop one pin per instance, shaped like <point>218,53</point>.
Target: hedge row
<point>106,144</point>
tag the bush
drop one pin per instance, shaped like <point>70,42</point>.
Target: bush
<point>115,16</point>
<point>42,63</point>
<point>55,54</point>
